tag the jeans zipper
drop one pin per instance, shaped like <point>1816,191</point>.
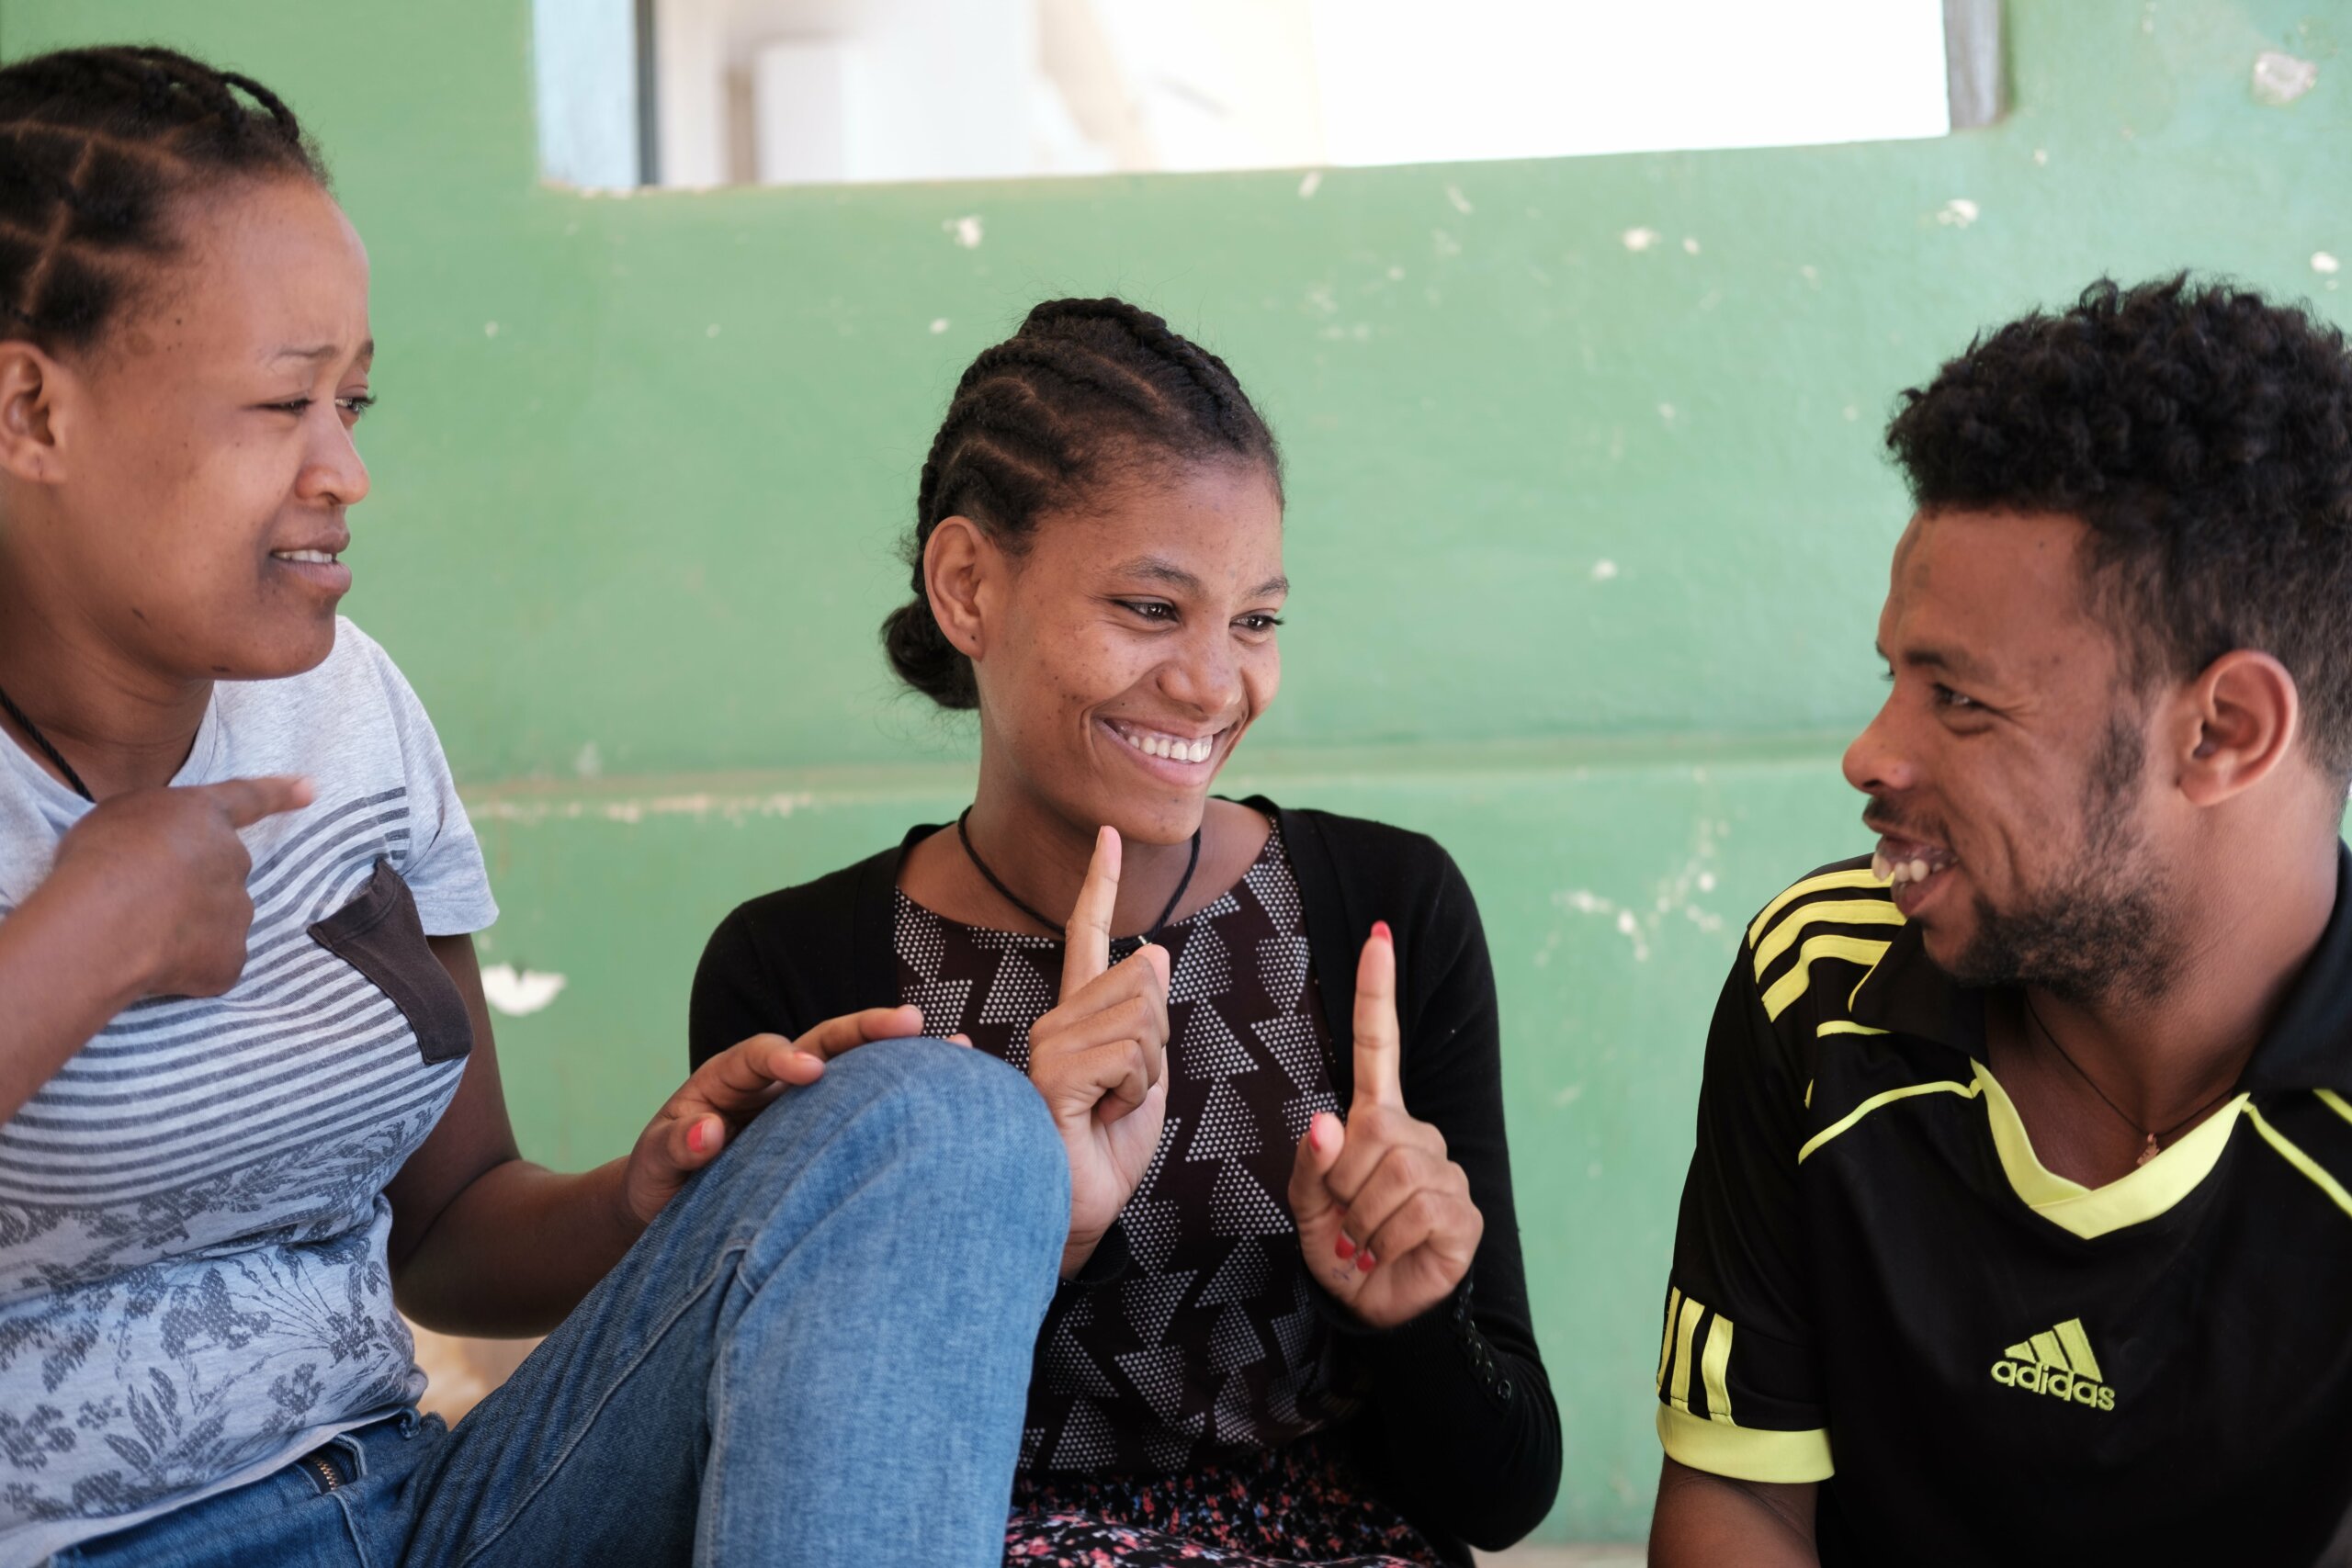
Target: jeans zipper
<point>328,1479</point>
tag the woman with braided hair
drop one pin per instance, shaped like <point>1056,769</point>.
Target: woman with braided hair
<point>248,1091</point>
<point>1293,1325</point>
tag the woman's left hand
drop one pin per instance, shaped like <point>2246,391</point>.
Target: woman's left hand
<point>731,1088</point>
<point>1385,1220</point>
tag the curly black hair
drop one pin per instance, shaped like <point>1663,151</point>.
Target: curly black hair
<point>2203,434</point>
<point>1083,393</point>
<point>96,146</point>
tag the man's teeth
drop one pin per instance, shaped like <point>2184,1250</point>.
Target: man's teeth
<point>1169,746</point>
<point>315,558</point>
<point>1895,873</point>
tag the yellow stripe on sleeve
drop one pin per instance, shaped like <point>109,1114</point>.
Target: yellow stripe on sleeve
<point>1745,1453</point>
<point>1832,912</point>
<point>1681,1390</point>
<point>1665,1334</point>
<point>1791,985</point>
<point>1715,1368</point>
<point>1858,877</point>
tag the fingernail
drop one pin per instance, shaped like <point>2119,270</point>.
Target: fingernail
<point>1364,1261</point>
<point>1344,1247</point>
<point>1380,930</point>
<point>696,1137</point>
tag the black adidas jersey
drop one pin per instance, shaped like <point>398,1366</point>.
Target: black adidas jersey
<point>1878,1287</point>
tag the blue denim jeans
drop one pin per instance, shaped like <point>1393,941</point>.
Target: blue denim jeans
<point>818,1355</point>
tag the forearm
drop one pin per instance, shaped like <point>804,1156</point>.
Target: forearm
<point>1704,1519</point>
<point>517,1250</point>
<point>63,974</point>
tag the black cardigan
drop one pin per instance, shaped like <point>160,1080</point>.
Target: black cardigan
<point>1461,1434</point>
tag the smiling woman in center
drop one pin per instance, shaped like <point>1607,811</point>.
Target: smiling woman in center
<point>1292,1323</point>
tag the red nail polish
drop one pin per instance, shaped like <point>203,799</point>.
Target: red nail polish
<point>1364,1261</point>
<point>1344,1247</point>
<point>696,1137</point>
<point>1380,930</point>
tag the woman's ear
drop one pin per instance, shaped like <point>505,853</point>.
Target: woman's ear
<point>958,564</point>
<point>29,383</point>
<point>2246,715</point>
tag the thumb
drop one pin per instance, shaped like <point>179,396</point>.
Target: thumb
<point>1319,1151</point>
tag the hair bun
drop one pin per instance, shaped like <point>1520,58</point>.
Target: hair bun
<point>923,658</point>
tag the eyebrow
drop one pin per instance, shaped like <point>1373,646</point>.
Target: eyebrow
<point>1157,568</point>
<point>323,351</point>
<point>1932,658</point>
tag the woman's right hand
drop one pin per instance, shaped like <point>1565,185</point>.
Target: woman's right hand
<point>1101,1059</point>
<point>169,865</point>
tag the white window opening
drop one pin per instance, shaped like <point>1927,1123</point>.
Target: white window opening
<point>712,92</point>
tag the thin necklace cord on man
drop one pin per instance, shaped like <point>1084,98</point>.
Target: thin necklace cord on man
<point>48,751</point>
<point>2155,1140</point>
<point>1015,899</point>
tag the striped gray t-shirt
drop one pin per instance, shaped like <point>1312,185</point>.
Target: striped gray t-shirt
<point>193,1288</point>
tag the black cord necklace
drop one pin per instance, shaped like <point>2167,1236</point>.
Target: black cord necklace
<point>1017,902</point>
<point>2155,1141</point>
<point>30,727</point>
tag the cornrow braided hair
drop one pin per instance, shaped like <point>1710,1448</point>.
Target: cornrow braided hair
<point>96,144</point>
<point>1087,392</point>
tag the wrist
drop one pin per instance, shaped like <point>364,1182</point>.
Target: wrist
<point>121,969</point>
<point>1076,1251</point>
<point>609,1186</point>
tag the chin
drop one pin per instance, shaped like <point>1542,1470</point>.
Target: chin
<point>1158,822</point>
<point>275,647</point>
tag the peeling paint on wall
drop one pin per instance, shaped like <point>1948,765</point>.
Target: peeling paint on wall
<point>2280,78</point>
<point>519,993</point>
<point>965,231</point>
<point>527,812</point>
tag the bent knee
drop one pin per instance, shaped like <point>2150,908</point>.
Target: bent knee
<point>973,1117</point>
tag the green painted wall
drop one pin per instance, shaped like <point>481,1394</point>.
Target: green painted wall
<point>640,463</point>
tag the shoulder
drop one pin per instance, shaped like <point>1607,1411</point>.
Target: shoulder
<point>1807,951</point>
<point>2311,1130</point>
<point>1362,850</point>
<point>807,916</point>
<point>786,959</point>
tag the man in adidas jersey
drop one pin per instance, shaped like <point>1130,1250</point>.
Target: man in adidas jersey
<point>2019,1227</point>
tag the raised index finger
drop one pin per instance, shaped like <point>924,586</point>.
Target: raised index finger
<point>1378,1077</point>
<point>247,801</point>
<point>1086,951</point>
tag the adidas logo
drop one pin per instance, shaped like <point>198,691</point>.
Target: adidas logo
<point>2058,1363</point>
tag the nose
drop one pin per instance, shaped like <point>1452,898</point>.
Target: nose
<point>332,473</point>
<point>1206,673</point>
<point>1877,762</point>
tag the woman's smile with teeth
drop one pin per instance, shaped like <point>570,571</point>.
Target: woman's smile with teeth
<point>314,557</point>
<point>1173,748</point>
